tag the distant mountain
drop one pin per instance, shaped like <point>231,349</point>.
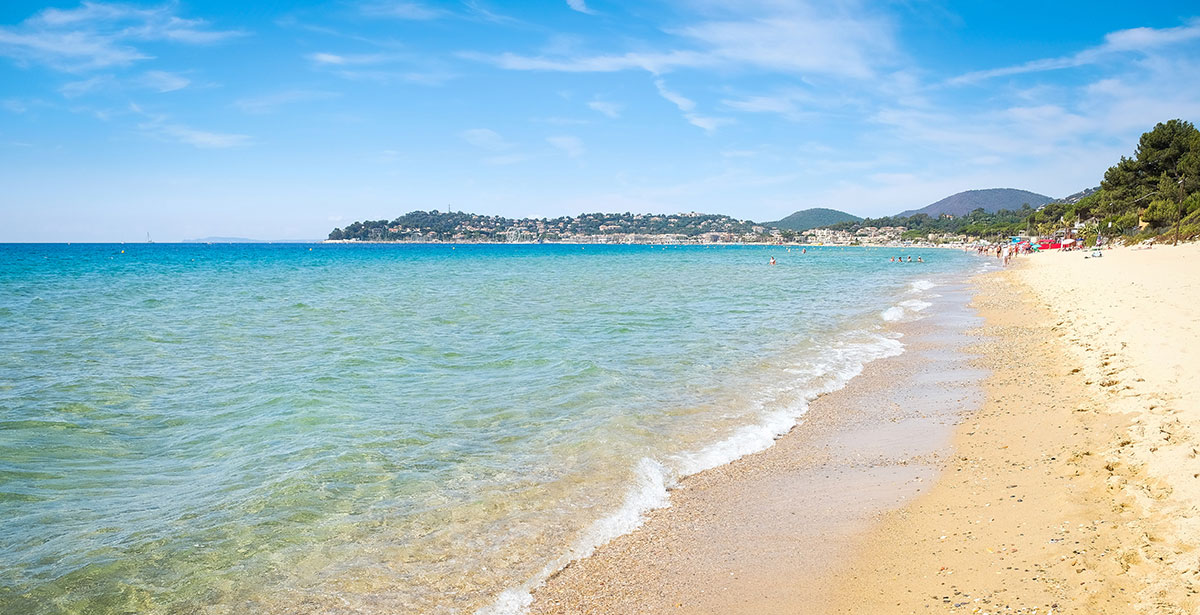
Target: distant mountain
<point>991,200</point>
<point>245,240</point>
<point>813,218</point>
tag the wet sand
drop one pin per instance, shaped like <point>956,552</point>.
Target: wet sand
<point>1075,489</point>
<point>1071,483</point>
<point>768,533</point>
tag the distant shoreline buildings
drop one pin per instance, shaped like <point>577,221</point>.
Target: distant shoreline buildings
<point>627,228</point>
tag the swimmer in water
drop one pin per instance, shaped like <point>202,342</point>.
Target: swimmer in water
<point>772,260</point>
<point>920,260</point>
<point>892,259</point>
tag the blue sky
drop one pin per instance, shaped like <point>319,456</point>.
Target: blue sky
<point>283,120</point>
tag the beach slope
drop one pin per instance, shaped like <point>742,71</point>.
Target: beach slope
<point>1075,488</point>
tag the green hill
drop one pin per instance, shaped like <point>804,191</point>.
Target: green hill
<point>813,218</point>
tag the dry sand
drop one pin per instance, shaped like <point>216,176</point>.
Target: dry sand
<point>1075,488</point>
<point>1072,486</point>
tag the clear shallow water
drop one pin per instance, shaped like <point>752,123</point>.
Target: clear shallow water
<point>391,428</point>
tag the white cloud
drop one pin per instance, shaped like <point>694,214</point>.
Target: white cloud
<point>1143,40</point>
<point>385,68</point>
<point>270,102</point>
<point>75,89</point>
<point>687,105</point>
<point>162,127</point>
<point>581,6</point>
<point>707,123</point>
<point>163,81</point>
<point>684,104</point>
<point>655,63</point>
<point>794,38</point>
<point>569,145</point>
<point>323,58</point>
<point>485,138</point>
<point>402,10</point>
<point>610,109</point>
<point>98,35</point>
<point>191,136</point>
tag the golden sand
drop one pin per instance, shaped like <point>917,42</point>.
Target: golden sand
<point>1074,487</point>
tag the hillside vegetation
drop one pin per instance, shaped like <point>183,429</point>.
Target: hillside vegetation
<point>460,226</point>
<point>1153,194</point>
<point>813,218</point>
<point>990,200</point>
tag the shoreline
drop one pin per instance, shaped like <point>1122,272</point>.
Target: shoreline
<point>754,535</point>
<point>1075,489</point>
<point>1069,487</point>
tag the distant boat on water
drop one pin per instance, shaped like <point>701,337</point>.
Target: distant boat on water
<point>148,240</point>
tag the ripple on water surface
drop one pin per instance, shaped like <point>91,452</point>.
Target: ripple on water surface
<point>247,429</point>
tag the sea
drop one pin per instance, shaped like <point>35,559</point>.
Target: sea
<point>395,428</point>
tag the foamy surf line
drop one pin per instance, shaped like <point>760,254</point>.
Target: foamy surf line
<point>910,309</point>
<point>844,360</point>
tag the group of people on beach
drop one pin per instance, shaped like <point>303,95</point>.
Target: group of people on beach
<point>900,259</point>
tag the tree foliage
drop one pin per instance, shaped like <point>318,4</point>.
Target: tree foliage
<point>1158,186</point>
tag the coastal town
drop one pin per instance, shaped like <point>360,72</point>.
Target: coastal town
<point>627,228</point>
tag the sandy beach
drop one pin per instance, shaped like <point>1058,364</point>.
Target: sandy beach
<point>1042,462</point>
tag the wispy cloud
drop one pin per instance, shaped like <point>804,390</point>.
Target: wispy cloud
<point>98,35</point>
<point>786,104</point>
<point>707,123</point>
<point>792,37</point>
<point>581,6</point>
<point>163,81</point>
<point>1134,40</point>
<point>571,146</point>
<point>684,104</point>
<point>610,109</point>
<point>402,10</point>
<point>269,103</point>
<point>359,59</point>
<point>75,89</point>
<point>687,106</point>
<point>162,127</point>
<point>485,138</point>
<point>381,67</point>
<point>198,138</point>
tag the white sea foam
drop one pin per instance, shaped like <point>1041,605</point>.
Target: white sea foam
<point>839,362</point>
<point>893,313</point>
<point>920,286</point>
<point>915,305</point>
<point>905,310</point>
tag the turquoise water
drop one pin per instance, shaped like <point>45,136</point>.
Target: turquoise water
<point>391,428</point>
